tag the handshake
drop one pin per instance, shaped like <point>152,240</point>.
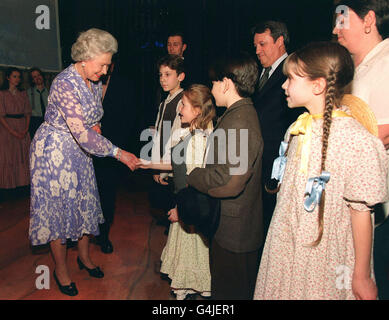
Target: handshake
<point>128,158</point>
<point>131,161</point>
<point>134,163</point>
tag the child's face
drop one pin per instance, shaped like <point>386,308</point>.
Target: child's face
<point>218,94</point>
<point>169,80</point>
<point>298,90</point>
<point>187,112</point>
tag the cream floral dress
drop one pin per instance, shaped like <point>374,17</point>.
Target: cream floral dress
<point>185,258</point>
<point>290,269</point>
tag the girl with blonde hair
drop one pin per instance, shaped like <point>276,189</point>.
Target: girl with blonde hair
<point>185,258</point>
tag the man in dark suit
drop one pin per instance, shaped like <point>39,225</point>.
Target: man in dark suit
<point>270,40</point>
<point>118,125</point>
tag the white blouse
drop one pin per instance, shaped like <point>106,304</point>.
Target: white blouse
<point>371,81</point>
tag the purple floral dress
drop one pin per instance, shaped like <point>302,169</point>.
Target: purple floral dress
<point>64,199</point>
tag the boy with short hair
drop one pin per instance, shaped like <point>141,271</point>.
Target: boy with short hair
<point>171,74</point>
<point>234,253</point>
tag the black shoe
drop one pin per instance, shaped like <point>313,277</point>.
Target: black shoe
<point>95,272</point>
<point>106,246</point>
<point>70,290</point>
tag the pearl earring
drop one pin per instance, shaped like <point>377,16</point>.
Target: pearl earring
<point>83,64</point>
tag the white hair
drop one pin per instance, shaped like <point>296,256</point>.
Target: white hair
<point>93,42</point>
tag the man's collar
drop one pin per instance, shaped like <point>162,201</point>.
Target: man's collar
<point>36,88</point>
<point>275,65</point>
<point>237,104</point>
<point>278,62</point>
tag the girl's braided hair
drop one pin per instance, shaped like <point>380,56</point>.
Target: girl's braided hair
<point>331,61</point>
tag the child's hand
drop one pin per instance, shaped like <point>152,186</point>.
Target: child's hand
<point>364,288</point>
<point>158,179</point>
<point>143,164</point>
<point>173,215</point>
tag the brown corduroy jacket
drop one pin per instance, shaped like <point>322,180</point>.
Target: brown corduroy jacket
<point>241,228</point>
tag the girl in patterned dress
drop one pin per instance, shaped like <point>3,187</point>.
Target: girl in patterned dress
<point>185,258</point>
<point>333,170</point>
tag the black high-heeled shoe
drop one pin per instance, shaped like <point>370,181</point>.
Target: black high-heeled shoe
<point>95,272</point>
<point>70,290</point>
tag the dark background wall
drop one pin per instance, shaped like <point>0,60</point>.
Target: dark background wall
<point>211,27</point>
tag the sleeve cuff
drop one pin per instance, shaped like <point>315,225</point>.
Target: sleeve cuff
<point>115,151</point>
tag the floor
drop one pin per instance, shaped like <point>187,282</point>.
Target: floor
<point>131,271</point>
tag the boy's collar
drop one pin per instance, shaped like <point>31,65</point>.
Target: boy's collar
<point>239,102</point>
<point>170,97</point>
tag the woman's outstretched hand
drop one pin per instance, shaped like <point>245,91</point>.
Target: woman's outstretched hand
<point>129,159</point>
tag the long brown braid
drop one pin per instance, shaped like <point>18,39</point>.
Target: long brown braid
<point>330,105</point>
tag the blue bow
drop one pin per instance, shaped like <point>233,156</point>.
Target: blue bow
<point>314,190</point>
<point>279,164</point>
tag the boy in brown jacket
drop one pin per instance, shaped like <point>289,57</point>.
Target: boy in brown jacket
<point>233,174</point>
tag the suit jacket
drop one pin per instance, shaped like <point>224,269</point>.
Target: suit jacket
<point>274,117</point>
<point>118,123</point>
<point>240,229</point>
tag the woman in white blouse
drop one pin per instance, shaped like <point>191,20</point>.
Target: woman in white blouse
<point>362,26</point>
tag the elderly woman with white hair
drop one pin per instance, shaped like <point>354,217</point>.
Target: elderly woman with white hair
<point>64,196</point>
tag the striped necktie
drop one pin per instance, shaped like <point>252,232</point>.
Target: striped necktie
<point>264,78</point>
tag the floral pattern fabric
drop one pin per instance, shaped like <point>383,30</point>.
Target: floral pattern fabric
<point>64,198</point>
<point>185,257</point>
<point>290,268</point>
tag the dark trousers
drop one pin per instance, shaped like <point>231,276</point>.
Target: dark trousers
<point>35,122</point>
<point>162,197</point>
<point>233,275</point>
<point>269,204</point>
<point>381,259</point>
<point>107,177</point>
